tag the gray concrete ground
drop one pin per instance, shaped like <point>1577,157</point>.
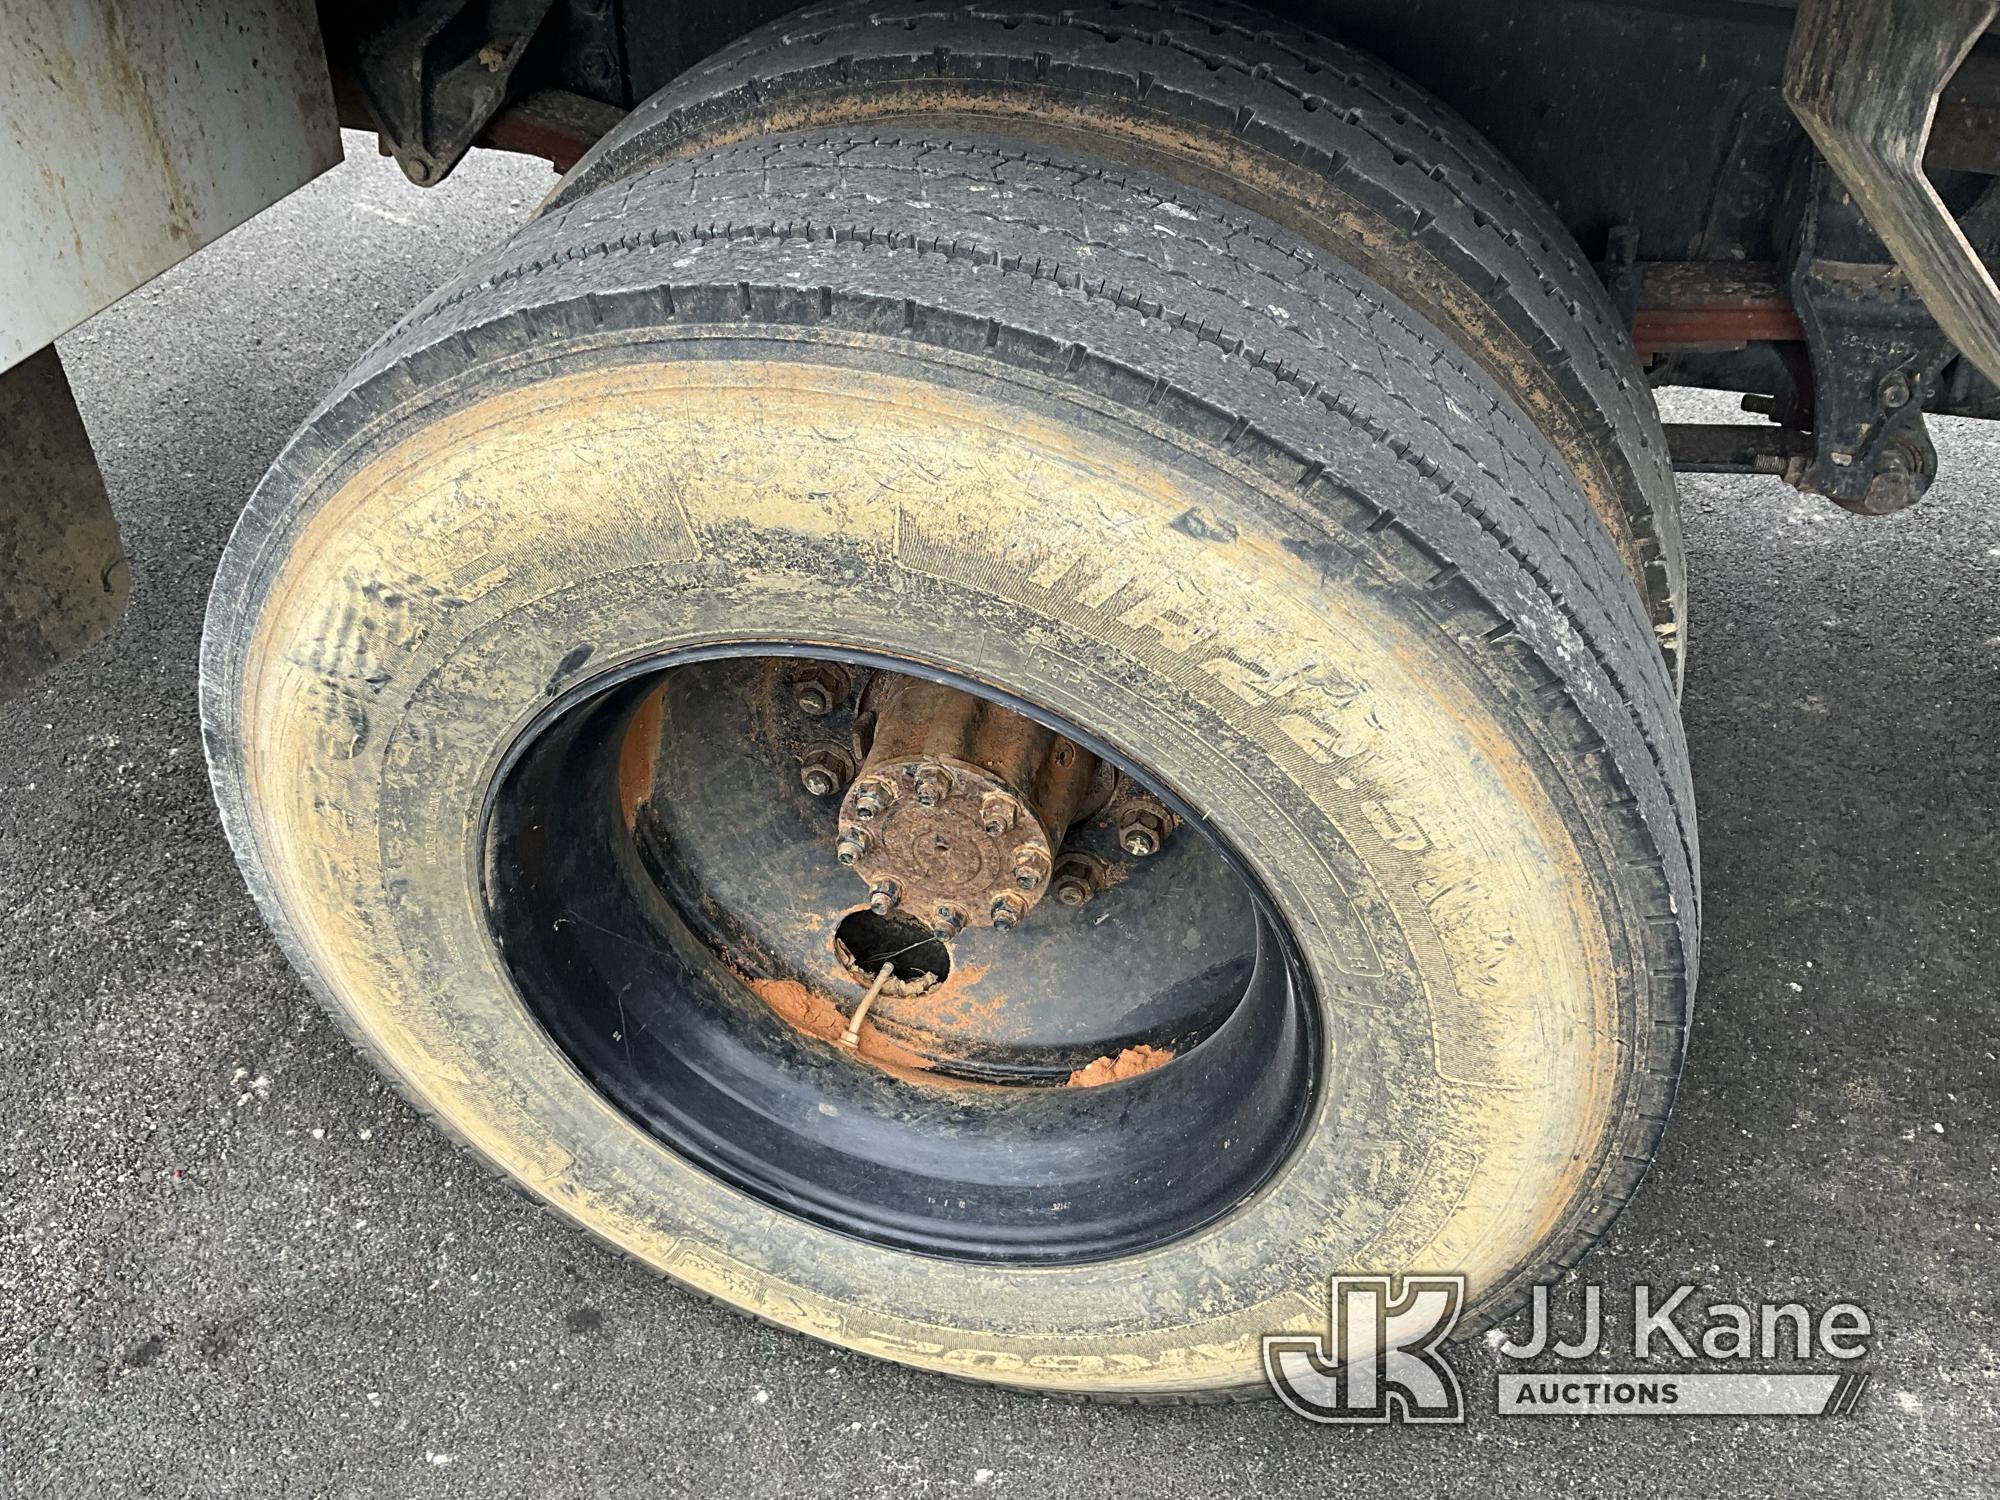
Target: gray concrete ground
<point>232,1262</point>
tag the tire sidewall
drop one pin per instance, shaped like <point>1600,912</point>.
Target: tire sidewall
<point>443,571</point>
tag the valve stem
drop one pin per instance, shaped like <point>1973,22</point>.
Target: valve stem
<point>852,1036</point>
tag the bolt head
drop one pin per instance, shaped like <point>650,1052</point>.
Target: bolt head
<point>872,799</point>
<point>1898,482</point>
<point>1142,829</point>
<point>1894,391</point>
<point>853,844</point>
<point>883,899</point>
<point>950,921</point>
<point>825,769</point>
<point>1074,883</point>
<point>1139,842</point>
<point>817,686</point>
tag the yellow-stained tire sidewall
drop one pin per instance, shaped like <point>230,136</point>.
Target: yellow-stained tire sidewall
<point>475,557</point>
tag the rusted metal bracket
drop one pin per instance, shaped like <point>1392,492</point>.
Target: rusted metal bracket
<point>1681,306</point>
<point>1862,357</point>
<point>1876,353</point>
<point>1864,77</point>
<point>435,78</point>
<point>553,124</point>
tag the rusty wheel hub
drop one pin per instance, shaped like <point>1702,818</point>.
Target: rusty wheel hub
<point>960,806</point>
<point>1038,906</point>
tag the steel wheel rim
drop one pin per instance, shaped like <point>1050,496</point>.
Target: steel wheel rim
<point>616,978</point>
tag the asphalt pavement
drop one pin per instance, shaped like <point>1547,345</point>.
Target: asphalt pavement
<point>234,1263</point>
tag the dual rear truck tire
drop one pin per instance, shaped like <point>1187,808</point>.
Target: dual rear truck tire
<point>1188,376</point>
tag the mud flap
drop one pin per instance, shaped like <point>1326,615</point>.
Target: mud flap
<point>62,569</point>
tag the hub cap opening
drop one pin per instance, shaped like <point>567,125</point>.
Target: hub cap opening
<point>916,958</point>
<point>1092,1036</point>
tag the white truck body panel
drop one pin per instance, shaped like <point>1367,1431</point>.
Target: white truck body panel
<point>136,131</point>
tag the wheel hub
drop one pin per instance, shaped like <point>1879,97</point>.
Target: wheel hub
<point>960,806</point>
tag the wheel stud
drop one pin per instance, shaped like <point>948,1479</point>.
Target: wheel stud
<point>933,784</point>
<point>998,812</point>
<point>950,921</point>
<point>853,844</point>
<point>1031,865</point>
<point>825,769</point>
<point>873,798</point>
<point>883,898</point>
<point>1008,909</point>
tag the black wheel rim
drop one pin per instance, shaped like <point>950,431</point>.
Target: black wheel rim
<point>624,968</point>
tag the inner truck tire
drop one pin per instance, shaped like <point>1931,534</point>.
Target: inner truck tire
<point>1325,140</point>
<point>1092,449</point>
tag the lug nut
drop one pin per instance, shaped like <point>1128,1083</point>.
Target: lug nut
<point>933,784</point>
<point>1030,866</point>
<point>1142,827</point>
<point>853,844</point>
<point>883,898</point>
<point>998,811</point>
<point>825,769</point>
<point>873,798</point>
<point>1074,882</point>
<point>950,921</point>
<point>818,685</point>
<point>1008,909</point>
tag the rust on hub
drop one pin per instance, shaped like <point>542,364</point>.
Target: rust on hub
<point>959,806</point>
